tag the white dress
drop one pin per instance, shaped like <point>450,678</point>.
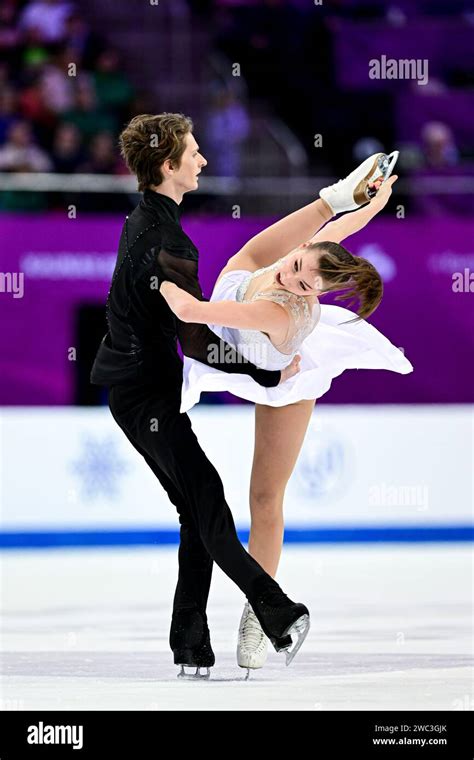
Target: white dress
<point>326,347</point>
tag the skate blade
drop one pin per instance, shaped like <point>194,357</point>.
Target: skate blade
<point>383,170</point>
<point>392,159</point>
<point>196,676</point>
<point>297,632</point>
<point>249,668</point>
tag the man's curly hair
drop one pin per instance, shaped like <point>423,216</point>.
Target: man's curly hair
<point>149,140</point>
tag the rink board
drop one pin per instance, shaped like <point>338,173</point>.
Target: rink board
<point>69,476</point>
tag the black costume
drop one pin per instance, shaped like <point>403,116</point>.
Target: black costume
<point>138,359</point>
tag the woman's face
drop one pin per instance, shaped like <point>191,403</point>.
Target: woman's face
<point>294,272</point>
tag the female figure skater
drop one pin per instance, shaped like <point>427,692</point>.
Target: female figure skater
<point>266,303</point>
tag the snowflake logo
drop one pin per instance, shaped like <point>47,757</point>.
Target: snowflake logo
<point>99,468</point>
<point>325,465</point>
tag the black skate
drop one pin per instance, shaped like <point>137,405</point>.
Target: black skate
<point>284,622</point>
<point>191,643</point>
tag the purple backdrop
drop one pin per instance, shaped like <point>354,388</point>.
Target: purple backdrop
<point>445,43</point>
<point>67,263</point>
<point>456,109</point>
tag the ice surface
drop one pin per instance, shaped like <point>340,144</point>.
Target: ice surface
<point>88,630</point>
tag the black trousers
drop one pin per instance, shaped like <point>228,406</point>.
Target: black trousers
<point>153,424</point>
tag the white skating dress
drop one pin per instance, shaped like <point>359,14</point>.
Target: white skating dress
<point>326,347</point>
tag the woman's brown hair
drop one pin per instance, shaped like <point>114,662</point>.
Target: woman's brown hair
<point>341,270</point>
<point>149,140</point>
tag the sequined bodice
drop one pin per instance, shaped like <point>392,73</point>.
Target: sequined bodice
<point>303,319</point>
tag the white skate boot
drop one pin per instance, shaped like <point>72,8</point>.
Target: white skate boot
<point>252,644</point>
<point>354,191</point>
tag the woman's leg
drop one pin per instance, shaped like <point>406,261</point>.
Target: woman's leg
<point>279,435</point>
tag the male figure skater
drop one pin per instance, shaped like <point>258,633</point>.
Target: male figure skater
<point>139,361</point>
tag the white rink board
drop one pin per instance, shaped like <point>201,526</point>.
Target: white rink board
<point>360,466</point>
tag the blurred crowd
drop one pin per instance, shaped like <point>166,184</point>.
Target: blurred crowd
<point>64,95</point>
<point>351,8</point>
<point>299,60</point>
<point>295,64</point>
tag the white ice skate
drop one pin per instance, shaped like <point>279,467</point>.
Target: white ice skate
<point>252,644</point>
<point>354,191</point>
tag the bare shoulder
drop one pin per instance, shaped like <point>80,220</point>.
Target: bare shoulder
<point>240,261</point>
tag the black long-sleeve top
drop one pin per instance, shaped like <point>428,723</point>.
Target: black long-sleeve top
<point>140,344</point>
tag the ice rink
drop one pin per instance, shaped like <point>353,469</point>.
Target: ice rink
<point>391,630</point>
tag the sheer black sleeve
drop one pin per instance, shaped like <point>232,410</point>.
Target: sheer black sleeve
<point>198,341</point>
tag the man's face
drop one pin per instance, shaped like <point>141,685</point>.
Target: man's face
<point>186,177</point>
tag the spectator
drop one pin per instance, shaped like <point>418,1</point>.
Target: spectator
<point>86,114</point>
<point>86,44</point>
<point>102,155</point>
<point>114,91</point>
<point>34,109</point>
<point>227,128</point>
<point>46,18</point>
<point>9,34</point>
<point>20,154</point>
<point>103,159</point>
<point>67,149</point>
<point>439,146</point>
<point>32,57</point>
<point>57,85</point>
<point>440,158</point>
<point>8,111</point>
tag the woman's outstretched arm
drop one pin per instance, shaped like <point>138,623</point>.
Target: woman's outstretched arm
<point>280,238</point>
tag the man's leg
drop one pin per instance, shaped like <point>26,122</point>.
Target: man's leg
<point>195,563</point>
<point>195,571</point>
<point>153,419</point>
<point>154,423</point>
<point>189,637</point>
